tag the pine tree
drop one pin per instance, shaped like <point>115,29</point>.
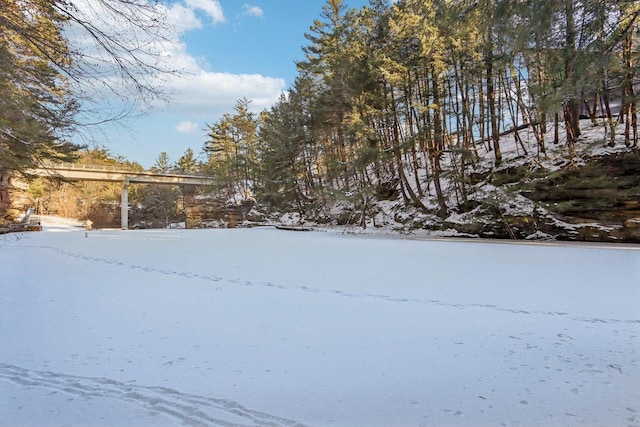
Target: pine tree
<point>35,98</point>
<point>162,164</point>
<point>231,148</point>
<point>187,163</point>
<point>328,63</point>
<point>282,144</point>
<point>417,69</point>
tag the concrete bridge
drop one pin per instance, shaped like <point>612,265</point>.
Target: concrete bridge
<point>77,172</point>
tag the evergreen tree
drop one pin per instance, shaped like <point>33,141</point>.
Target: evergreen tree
<point>35,98</point>
<point>328,63</point>
<point>231,148</point>
<point>187,163</point>
<point>286,155</point>
<point>162,164</point>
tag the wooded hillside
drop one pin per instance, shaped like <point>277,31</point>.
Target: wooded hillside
<point>489,118</point>
<point>415,103</point>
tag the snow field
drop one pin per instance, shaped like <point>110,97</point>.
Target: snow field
<point>267,327</point>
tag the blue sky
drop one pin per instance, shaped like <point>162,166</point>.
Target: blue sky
<point>231,49</point>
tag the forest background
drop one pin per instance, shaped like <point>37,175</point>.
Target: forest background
<point>402,115</point>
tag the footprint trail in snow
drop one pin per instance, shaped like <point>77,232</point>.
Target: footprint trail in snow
<point>188,409</point>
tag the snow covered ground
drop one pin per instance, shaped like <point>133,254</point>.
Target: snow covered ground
<point>267,327</point>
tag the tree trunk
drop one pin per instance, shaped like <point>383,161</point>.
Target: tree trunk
<point>629,101</point>
<point>491,104</point>
<point>571,107</point>
<point>609,116</point>
<point>436,149</point>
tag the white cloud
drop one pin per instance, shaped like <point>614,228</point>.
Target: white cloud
<point>253,11</point>
<point>212,8</point>
<point>183,18</point>
<point>202,93</point>
<point>196,91</point>
<point>187,127</point>
<point>209,95</point>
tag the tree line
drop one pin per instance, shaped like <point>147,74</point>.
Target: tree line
<point>392,99</point>
<point>406,97</point>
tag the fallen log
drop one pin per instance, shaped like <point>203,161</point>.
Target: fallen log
<point>293,228</point>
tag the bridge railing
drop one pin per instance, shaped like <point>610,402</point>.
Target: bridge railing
<point>109,168</point>
<point>113,168</point>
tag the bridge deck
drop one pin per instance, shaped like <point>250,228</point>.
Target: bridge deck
<point>75,172</point>
<point>111,174</point>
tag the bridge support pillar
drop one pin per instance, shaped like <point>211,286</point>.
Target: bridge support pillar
<point>124,205</point>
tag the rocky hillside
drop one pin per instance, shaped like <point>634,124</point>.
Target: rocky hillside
<point>593,195</point>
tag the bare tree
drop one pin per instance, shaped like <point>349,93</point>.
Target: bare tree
<point>120,55</point>
<point>114,53</point>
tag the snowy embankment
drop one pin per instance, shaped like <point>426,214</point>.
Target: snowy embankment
<point>269,327</point>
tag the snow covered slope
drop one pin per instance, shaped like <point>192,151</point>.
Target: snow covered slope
<point>268,327</point>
